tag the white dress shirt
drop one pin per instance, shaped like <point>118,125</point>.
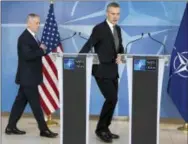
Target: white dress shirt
<point>32,33</point>
<point>110,25</point>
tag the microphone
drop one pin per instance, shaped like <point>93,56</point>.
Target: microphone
<point>82,36</point>
<point>142,34</point>
<point>164,51</point>
<point>92,50</point>
<point>68,37</point>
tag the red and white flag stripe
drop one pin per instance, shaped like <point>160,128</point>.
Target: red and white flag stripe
<point>49,92</point>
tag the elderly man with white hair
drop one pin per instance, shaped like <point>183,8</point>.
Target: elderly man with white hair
<point>28,77</point>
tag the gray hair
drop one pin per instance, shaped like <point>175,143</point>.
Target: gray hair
<point>31,16</point>
<point>113,4</point>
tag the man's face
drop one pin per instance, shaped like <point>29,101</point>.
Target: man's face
<point>34,24</point>
<point>113,14</point>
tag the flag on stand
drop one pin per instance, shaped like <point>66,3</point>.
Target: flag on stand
<point>178,81</point>
<point>48,90</point>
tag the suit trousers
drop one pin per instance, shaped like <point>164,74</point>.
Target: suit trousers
<point>27,94</point>
<point>109,89</point>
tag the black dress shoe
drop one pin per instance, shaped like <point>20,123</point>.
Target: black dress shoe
<point>14,131</point>
<point>104,136</point>
<point>48,133</point>
<point>113,136</point>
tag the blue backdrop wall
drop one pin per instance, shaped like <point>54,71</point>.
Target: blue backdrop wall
<point>161,19</point>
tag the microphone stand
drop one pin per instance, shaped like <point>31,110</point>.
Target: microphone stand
<point>61,40</point>
<point>164,51</point>
<point>92,50</point>
<point>68,37</point>
<point>142,34</point>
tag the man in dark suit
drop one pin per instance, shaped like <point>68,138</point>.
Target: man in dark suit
<point>29,76</point>
<point>107,41</point>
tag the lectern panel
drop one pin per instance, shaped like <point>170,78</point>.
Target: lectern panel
<point>144,100</point>
<point>74,100</point>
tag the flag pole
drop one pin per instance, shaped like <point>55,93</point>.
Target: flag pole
<point>184,128</point>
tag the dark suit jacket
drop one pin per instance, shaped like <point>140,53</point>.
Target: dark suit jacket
<point>29,71</point>
<point>103,42</point>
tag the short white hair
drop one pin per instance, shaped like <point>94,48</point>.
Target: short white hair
<point>31,16</point>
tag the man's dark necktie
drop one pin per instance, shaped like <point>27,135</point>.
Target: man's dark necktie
<point>116,38</point>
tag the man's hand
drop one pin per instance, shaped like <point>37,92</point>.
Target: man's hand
<point>118,59</point>
<point>43,47</point>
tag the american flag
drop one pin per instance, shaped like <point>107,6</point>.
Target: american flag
<point>48,90</point>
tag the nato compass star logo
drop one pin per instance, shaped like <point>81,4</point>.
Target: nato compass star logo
<point>139,64</point>
<point>181,64</point>
<point>69,63</point>
<point>134,19</point>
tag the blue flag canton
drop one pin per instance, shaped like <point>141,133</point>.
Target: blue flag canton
<point>50,36</point>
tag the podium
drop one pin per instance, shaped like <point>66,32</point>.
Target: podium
<point>74,73</point>
<point>145,76</point>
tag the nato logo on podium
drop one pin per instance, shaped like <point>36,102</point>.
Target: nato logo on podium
<point>140,64</point>
<point>69,63</point>
<point>145,64</point>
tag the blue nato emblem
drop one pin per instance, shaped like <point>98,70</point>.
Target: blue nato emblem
<point>69,63</point>
<point>140,64</point>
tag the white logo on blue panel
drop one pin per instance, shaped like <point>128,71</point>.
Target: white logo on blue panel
<point>181,64</point>
<point>69,63</point>
<point>140,64</point>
